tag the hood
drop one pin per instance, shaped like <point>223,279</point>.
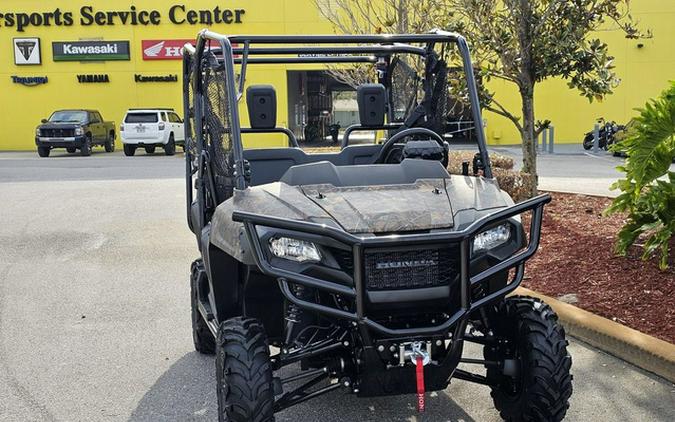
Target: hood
<point>55,125</point>
<point>423,205</point>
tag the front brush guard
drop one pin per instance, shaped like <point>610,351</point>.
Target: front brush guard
<point>357,244</point>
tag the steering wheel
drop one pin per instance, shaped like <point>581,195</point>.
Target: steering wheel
<point>387,146</point>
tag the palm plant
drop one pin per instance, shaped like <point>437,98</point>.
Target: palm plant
<point>648,189</point>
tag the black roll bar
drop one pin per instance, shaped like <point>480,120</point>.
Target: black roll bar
<point>292,140</point>
<point>360,128</point>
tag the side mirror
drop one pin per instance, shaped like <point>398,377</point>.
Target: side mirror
<point>44,121</point>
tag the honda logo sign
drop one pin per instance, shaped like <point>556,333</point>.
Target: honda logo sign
<point>163,49</point>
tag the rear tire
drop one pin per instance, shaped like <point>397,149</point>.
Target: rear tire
<point>170,147</point>
<point>543,386</point>
<point>44,151</point>
<point>110,142</point>
<point>203,340</point>
<point>85,150</point>
<point>129,150</point>
<point>150,150</point>
<point>588,141</point>
<point>71,150</point>
<point>244,372</point>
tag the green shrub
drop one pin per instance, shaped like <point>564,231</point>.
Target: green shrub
<point>648,190</point>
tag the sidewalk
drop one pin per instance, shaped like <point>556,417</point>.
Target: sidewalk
<point>571,169</point>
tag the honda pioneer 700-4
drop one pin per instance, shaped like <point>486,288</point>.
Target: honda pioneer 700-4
<point>367,269</point>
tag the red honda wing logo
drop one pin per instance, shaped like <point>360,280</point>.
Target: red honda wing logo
<point>163,49</point>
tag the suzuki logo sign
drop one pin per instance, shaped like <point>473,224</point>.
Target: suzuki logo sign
<point>163,49</point>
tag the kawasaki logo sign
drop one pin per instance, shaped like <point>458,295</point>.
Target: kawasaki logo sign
<point>90,50</point>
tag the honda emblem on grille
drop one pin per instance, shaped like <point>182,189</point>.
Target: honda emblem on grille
<point>388,265</point>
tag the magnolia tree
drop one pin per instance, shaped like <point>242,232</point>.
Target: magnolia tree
<point>521,42</point>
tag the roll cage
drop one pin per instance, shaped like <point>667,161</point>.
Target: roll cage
<point>223,53</point>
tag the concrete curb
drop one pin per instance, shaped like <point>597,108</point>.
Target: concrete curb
<point>640,349</point>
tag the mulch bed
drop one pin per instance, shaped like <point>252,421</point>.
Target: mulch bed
<point>576,257</point>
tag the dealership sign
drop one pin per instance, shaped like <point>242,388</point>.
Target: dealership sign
<point>156,78</point>
<point>163,49</point>
<point>81,51</point>
<point>27,51</point>
<point>177,14</point>
<point>89,79</point>
<point>29,80</point>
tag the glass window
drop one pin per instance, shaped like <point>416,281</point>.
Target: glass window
<point>78,116</point>
<point>141,118</point>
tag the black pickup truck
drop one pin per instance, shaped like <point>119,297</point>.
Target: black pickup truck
<point>74,130</point>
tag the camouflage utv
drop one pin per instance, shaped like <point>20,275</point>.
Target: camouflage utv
<point>367,269</point>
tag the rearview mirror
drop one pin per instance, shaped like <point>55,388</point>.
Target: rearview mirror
<point>44,120</point>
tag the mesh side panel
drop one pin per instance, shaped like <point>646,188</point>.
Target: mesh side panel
<point>404,87</point>
<point>189,120</point>
<point>411,269</point>
<point>218,120</point>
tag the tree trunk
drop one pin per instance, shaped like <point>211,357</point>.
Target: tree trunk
<point>527,135</point>
<point>526,85</point>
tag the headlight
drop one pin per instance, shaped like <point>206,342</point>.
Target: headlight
<point>491,238</point>
<point>79,131</point>
<point>37,131</point>
<point>294,249</point>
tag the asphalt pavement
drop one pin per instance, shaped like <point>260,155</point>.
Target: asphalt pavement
<point>95,321</point>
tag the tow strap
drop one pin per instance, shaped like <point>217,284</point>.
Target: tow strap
<point>419,371</point>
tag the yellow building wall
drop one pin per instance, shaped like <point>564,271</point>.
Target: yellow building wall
<point>644,71</point>
<point>22,107</point>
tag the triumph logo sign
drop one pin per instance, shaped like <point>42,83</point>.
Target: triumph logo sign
<point>30,80</point>
<point>27,51</point>
<point>163,49</point>
<point>90,50</point>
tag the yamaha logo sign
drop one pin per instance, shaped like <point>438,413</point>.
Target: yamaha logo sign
<point>27,51</point>
<point>88,79</point>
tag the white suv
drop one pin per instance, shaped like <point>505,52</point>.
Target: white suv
<point>150,128</point>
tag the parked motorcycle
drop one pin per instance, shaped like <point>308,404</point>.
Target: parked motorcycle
<point>606,134</point>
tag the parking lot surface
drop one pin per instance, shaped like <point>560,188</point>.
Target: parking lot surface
<point>94,311</point>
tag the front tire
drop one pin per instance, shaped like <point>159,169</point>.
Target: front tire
<point>44,151</point>
<point>588,141</point>
<point>244,372</point>
<point>129,150</point>
<point>542,386</point>
<point>150,150</point>
<point>170,147</point>
<point>203,340</point>
<point>85,150</point>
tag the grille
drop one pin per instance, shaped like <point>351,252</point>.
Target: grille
<point>411,269</point>
<point>57,133</point>
<point>344,259</point>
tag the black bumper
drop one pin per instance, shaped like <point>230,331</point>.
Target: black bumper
<point>75,142</point>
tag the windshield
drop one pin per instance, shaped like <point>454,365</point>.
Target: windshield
<point>69,116</point>
<point>141,118</point>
